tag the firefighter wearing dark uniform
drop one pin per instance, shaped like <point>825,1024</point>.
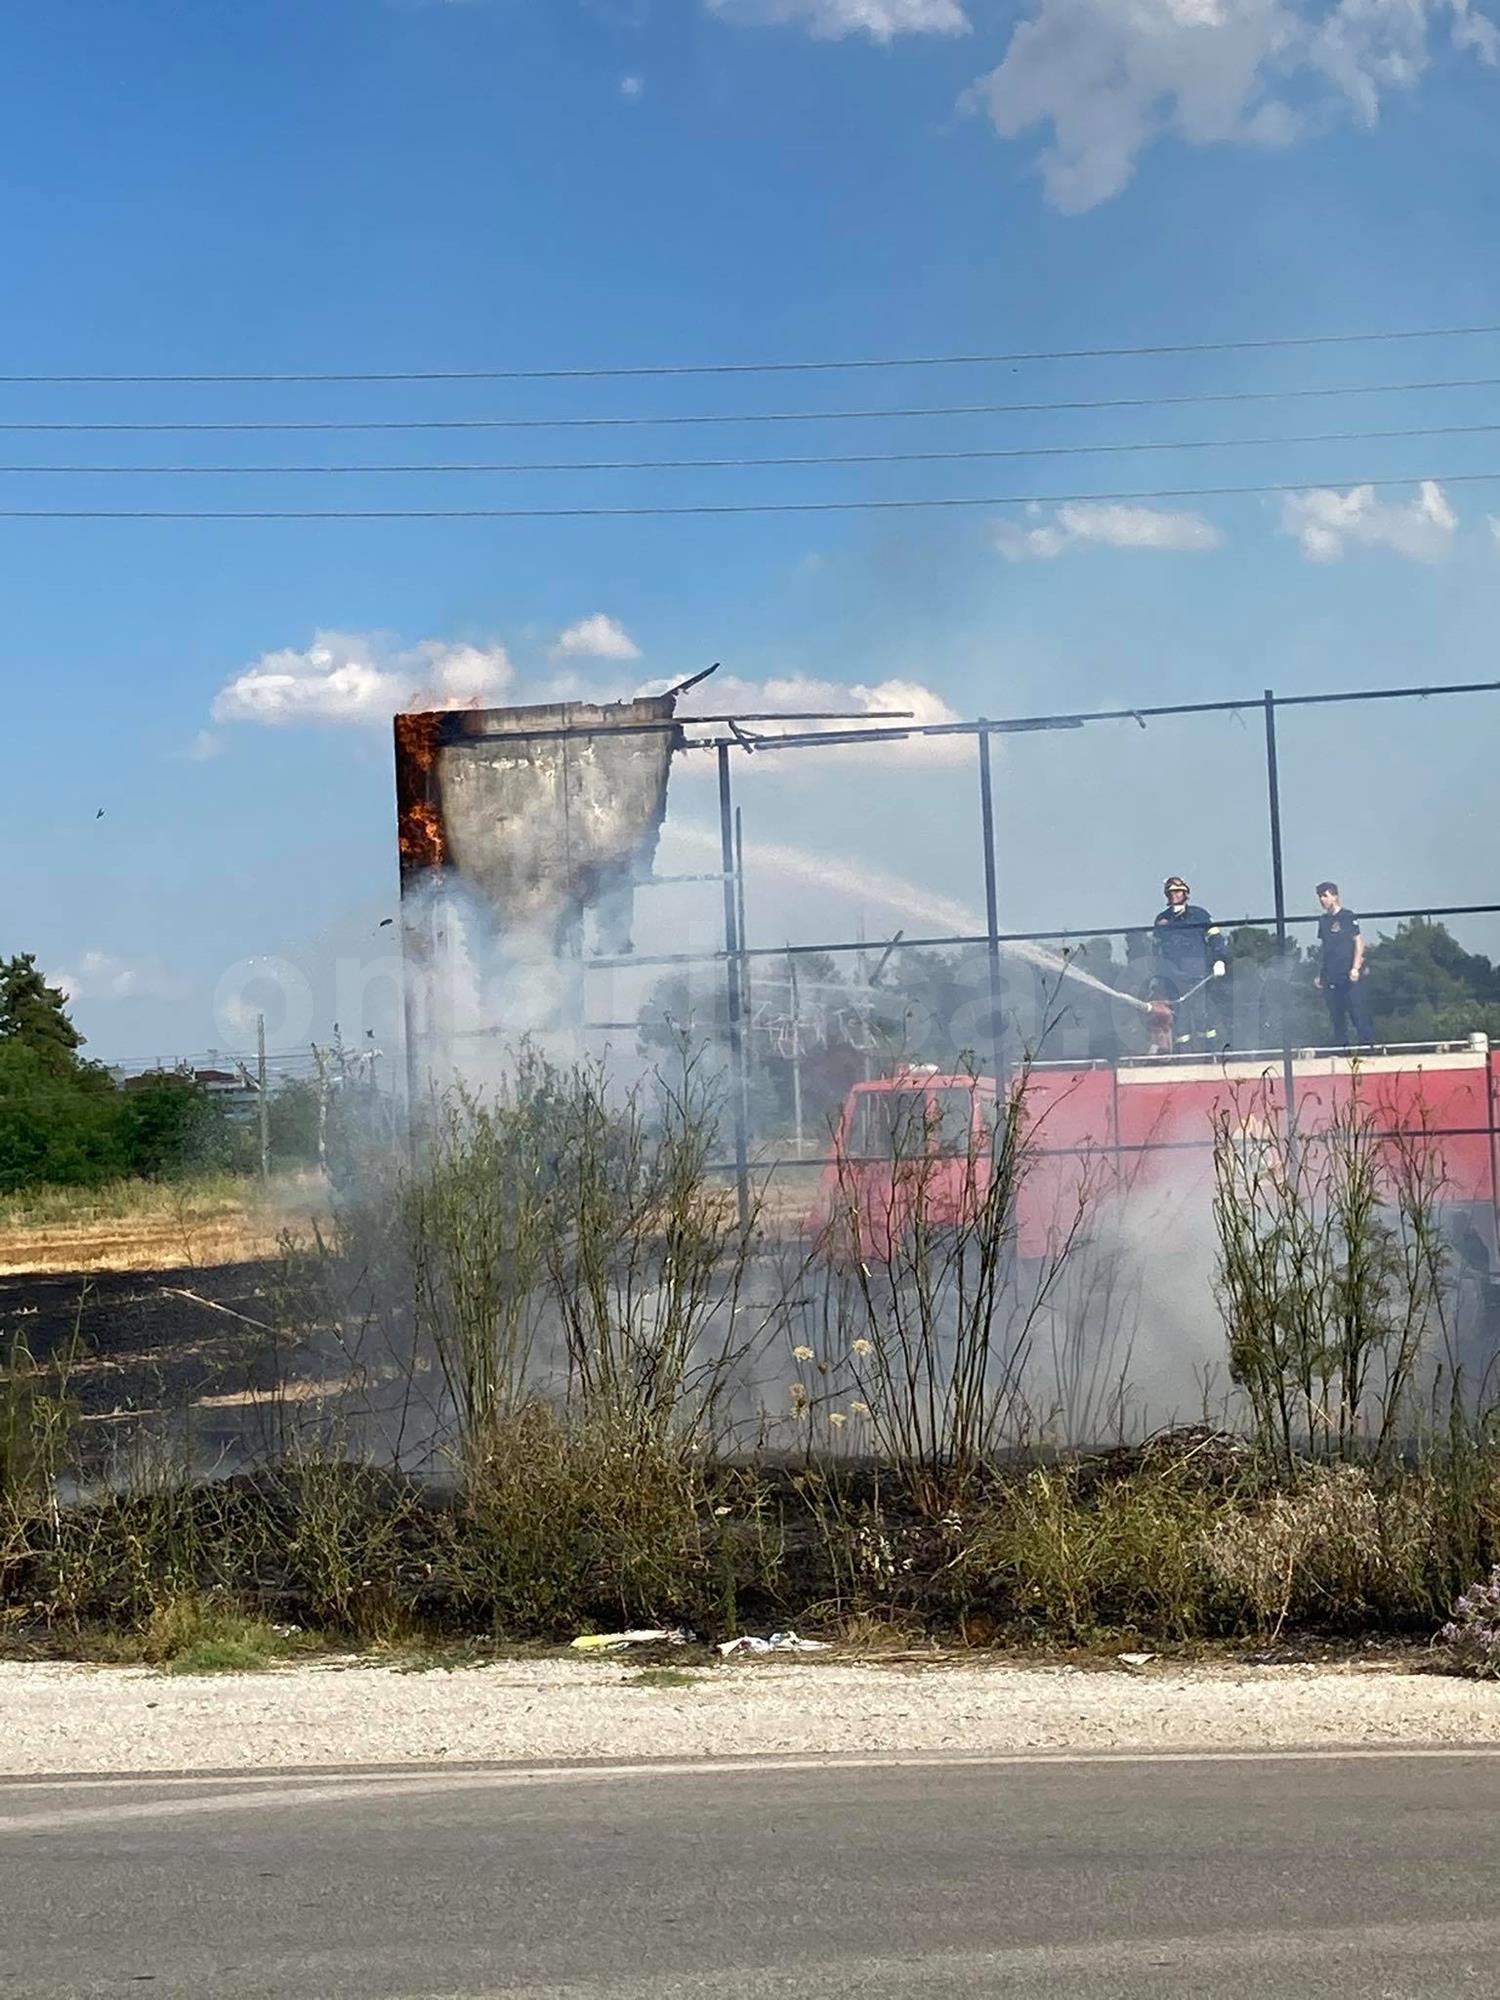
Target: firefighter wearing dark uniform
<point>1341,974</point>
<point>1191,951</point>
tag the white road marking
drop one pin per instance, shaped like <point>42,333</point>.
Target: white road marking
<point>227,1793</point>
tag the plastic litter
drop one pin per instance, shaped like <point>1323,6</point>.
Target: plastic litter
<point>616,1642</point>
<point>1135,1659</point>
<point>779,1642</point>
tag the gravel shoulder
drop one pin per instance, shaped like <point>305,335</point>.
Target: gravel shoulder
<point>57,1718</point>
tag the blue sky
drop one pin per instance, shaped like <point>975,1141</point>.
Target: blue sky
<point>345,185</point>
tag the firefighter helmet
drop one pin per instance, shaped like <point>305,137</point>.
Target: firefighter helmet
<point>1175,882</point>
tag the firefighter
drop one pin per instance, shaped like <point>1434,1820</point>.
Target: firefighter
<point>1341,974</point>
<point>1190,953</point>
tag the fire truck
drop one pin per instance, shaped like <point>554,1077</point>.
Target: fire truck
<point>1109,1128</point>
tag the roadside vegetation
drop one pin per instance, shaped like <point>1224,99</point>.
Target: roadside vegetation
<point>578,1393</point>
<point>69,1123</point>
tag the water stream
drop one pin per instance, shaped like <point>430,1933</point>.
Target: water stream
<point>894,892</point>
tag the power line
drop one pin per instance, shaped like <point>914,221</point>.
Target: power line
<point>716,507</point>
<point>286,1061</point>
<point>1200,398</point>
<point>677,368</point>
<point>808,459</point>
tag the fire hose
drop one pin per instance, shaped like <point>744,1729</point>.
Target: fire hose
<point>1207,980</point>
<point>1163,1011</point>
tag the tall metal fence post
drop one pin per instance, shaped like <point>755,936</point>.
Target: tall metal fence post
<point>741,932</point>
<point>1278,890</point>
<point>991,899</point>
<point>733,989</point>
<point>796,1020</point>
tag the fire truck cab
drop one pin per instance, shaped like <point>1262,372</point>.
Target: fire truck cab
<point>1112,1128</point>
<point>916,1136</point>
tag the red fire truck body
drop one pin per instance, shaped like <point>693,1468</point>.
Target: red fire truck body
<point>1107,1128</point>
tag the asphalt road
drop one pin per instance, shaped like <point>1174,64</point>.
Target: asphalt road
<point>1086,1879</point>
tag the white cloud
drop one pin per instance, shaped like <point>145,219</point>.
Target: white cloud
<point>831,20</point>
<point>1494,521</point>
<point>365,678</point>
<point>449,676</point>
<point>359,677</point>
<point>1111,523</point>
<point>1472,30</point>
<point>632,86</point>
<point>1328,524</point>
<point>1110,77</point>
<point>205,745</point>
<point>596,638</point>
<point>100,976</point>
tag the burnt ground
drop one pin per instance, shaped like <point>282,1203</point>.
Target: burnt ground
<point>144,1335</point>
<point>225,1348</point>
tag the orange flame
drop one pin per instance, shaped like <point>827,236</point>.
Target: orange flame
<point>421,837</point>
<point>417,741</point>
<point>419,821</point>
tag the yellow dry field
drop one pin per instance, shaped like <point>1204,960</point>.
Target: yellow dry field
<point>225,1219</point>
<point>143,1226</point>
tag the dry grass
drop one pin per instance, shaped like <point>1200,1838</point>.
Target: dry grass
<point>155,1226</point>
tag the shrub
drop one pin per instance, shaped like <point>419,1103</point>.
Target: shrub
<point>1472,1634</point>
<point>563,1525</point>
<point>1071,1556</point>
<point>192,1635</point>
<point>1339,1546</point>
<point>1333,1277</point>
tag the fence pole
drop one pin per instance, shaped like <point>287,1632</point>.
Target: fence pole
<point>733,990</point>
<point>991,898</point>
<point>746,1010</point>
<point>1278,890</point>
<point>796,1011</point>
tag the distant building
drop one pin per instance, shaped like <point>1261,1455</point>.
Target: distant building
<point>227,1088</point>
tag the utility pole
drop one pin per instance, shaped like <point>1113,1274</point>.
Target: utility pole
<point>263,1105</point>
<point>320,1059</point>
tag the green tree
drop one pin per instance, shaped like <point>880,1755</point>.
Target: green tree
<point>169,1125</point>
<point>1272,991</point>
<point>35,1015</point>
<point>1425,987</point>
<point>58,1128</point>
<point>293,1112</point>
<point>59,1115</point>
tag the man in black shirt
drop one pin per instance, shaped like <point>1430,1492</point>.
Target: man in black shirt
<point>1190,950</point>
<point>1341,975</point>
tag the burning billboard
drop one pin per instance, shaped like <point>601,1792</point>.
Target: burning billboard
<point>544,813</point>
